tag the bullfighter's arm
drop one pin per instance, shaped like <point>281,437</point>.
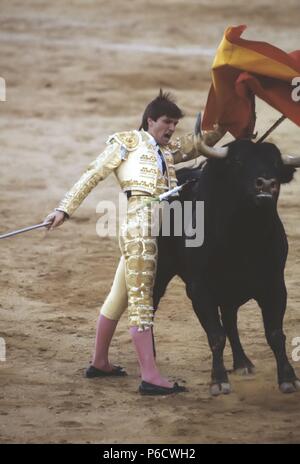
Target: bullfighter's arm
<point>188,146</point>
<point>100,168</point>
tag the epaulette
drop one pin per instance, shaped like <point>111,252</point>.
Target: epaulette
<point>173,146</point>
<point>129,139</point>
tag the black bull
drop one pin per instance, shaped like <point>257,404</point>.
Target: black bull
<point>243,255</point>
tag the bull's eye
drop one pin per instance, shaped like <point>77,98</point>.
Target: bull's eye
<point>273,184</point>
<point>259,182</point>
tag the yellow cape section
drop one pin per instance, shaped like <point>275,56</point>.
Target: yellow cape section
<point>248,60</point>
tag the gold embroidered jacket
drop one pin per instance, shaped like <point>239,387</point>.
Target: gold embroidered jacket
<point>132,157</point>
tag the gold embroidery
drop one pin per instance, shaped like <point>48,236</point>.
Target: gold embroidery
<point>137,185</point>
<point>138,172</point>
<point>146,170</point>
<point>148,157</point>
<point>184,148</point>
<point>130,139</point>
<point>103,165</point>
<point>140,253</point>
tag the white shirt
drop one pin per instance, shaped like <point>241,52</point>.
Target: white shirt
<point>153,142</point>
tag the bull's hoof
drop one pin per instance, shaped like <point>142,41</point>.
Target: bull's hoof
<point>217,389</point>
<point>290,387</point>
<point>297,384</point>
<point>244,371</point>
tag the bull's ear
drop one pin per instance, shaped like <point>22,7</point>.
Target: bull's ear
<point>286,174</point>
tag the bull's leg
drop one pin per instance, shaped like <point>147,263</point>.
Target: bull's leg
<point>241,363</point>
<point>163,277</point>
<point>207,312</point>
<point>273,308</point>
<point>161,283</point>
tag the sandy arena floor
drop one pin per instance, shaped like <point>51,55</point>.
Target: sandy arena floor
<point>77,71</point>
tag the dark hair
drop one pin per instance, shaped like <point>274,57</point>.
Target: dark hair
<point>163,105</point>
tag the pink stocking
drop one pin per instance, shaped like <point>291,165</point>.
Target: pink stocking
<point>104,333</point>
<point>144,349</point>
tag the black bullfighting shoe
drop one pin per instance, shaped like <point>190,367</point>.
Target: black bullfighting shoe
<point>117,371</point>
<point>147,388</point>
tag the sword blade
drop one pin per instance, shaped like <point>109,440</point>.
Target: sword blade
<point>169,193</point>
<point>25,229</point>
<point>174,190</point>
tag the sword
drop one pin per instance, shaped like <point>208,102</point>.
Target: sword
<point>171,192</point>
<point>165,195</point>
<point>174,190</point>
<point>25,229</point>
<point>161,197</point>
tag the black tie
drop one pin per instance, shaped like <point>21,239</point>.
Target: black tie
<point>162,160</point>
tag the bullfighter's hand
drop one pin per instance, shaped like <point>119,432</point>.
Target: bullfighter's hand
<point>56,218</point>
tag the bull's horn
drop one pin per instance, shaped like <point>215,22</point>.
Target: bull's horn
<point>291,161</point>
<point>206,139</point>
<point>210,152</point>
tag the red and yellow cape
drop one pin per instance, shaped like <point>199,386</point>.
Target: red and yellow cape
<point>242,69</point>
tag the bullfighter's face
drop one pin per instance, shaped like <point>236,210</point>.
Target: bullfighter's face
<point>162,129</point>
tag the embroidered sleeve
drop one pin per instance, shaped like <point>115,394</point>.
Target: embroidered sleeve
<point>184,148</point>
<point>100,168</point>
<point>188,146</point>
